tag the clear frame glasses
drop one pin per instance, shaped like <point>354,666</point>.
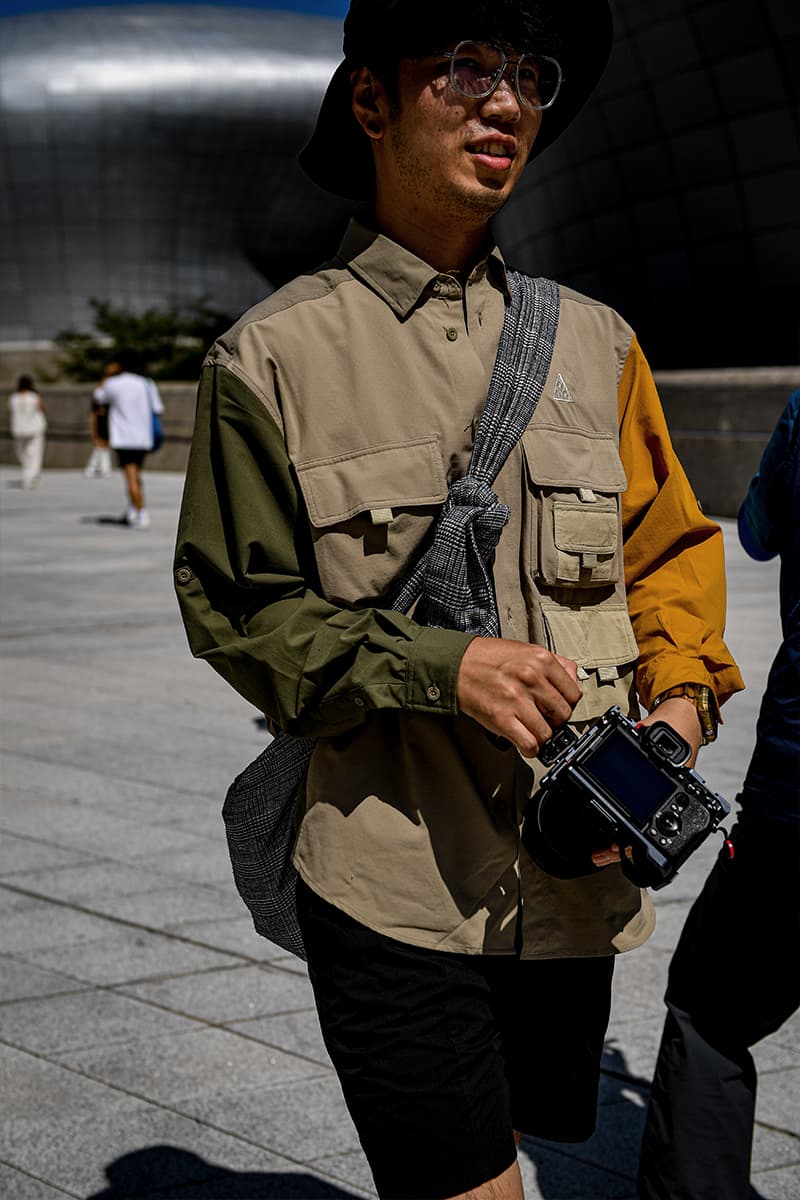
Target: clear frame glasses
<point>476,69</point>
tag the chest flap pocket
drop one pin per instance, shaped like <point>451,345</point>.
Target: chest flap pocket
<point>369,511</point>
<point>572,536</point>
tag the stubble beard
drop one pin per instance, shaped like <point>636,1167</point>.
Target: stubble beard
<point>456,204</point>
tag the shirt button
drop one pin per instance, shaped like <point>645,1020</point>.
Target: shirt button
<point>433,693</point>
<point>184,574</point>
<point>359,702</point>
<point>452,335</point>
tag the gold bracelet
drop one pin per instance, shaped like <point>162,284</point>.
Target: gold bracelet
<point>704,700</point>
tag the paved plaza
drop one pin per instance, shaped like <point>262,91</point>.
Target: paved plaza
<point>151,1045</point>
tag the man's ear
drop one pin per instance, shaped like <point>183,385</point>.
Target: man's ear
<point>370,103</point>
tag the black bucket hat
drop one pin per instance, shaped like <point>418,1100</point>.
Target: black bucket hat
<point>378,33</point>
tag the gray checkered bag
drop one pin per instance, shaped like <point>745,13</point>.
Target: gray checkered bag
<point>452,584</point>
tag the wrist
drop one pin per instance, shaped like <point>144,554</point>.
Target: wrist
<point>704,701</point>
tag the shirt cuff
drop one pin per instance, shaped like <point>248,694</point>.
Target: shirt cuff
<point>433,667</point>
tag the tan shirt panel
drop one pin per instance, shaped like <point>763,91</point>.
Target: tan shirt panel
<point>376,369</point>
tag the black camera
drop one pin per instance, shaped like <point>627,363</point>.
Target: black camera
<point>622,783</point>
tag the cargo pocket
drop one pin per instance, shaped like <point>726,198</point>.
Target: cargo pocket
<point>573,525</point>
<point>600,639</point>
<point>369,511</point>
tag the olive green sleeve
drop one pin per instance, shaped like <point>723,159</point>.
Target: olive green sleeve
<point>246,578</point>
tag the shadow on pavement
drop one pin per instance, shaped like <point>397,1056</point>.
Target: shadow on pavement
<point>104,520</point>
<point>614,1147</point>
<point>169,1173</point>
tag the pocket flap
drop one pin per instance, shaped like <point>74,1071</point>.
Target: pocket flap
<point>399,475</point>
<point>584,528</point>
<point>559,457</point>
<point>598,636</point>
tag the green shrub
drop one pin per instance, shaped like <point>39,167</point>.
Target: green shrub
<point>165,343</point>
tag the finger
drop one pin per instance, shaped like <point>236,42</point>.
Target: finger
<point>604,858</point>
<point>570,666</point>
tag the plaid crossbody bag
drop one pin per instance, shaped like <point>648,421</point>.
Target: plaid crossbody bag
<point>452,584</point>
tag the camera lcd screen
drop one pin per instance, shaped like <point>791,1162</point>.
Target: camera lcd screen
<point>628,774</point>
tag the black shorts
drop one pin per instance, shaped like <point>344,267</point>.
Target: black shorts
<point>127,458</point>
<point>441,1056</point>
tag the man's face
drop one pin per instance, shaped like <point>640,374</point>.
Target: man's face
<point>453,157</point>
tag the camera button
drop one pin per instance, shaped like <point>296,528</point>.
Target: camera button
<point>668,823</point>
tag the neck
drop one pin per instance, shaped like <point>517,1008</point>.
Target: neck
<point>450,250</point>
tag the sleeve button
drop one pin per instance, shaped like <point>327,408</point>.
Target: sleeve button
<point>184,574</point>
<point>433,693</point>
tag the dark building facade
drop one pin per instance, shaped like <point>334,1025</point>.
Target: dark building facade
<point>147,158</point>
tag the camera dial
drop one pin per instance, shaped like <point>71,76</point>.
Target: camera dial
<point>668,823</point>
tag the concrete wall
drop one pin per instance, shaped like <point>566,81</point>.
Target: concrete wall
<point>720,422</point>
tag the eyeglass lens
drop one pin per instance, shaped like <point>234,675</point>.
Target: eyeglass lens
<point>476,69</point>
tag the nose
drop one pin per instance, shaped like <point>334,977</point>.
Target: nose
<point>504,101</point>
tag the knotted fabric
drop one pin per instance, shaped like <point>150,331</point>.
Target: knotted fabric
<point>452,581</point>
<point>452,586</point>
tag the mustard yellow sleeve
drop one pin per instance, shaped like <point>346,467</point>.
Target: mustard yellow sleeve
<point>674,555</point>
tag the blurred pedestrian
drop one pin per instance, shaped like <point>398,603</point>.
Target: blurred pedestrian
<point>735,975</point>
<point>28,427</point>
<point>99,464</point>
<point>132,400</point>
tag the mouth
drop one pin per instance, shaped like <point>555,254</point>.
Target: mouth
<point>495,152</point>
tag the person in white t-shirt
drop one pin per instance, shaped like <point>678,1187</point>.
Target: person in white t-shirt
<point>28,425</point>
<point>132,399</point>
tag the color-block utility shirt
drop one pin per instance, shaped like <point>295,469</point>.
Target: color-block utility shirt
<point>330,422</point>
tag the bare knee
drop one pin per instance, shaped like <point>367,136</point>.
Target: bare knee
<point>507,1186</point>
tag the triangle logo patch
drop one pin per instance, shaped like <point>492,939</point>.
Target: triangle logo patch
<point>561,391</point>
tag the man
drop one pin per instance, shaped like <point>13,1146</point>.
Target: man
<point>131,400</point>
<point>463,994</point>
<point>735,975</point>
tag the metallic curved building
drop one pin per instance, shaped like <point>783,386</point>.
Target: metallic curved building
<point>148,159</point>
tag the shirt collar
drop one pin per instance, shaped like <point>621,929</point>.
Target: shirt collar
<point>396,274</point>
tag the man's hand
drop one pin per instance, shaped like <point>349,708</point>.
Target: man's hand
<point>519,691</point>
<point>681,714</point>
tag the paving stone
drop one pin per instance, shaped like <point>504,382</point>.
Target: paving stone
<point>783,1184</point>
<point>351,1168</point>
<point>778,1100</point>
<point>19,855</point>
<point>84,883</point>
<point>631,1047</point>
<point>197,861</point>
<point>297,1032</point>
<point>772,1149</point>
<point>40,925</point>
<point>614,1145</point>
<point>230,995</point>
<point>166,907</point>
<point>187,1065</point>
<point>639,982</point>
<point>131,954</point>
<point>132,1149</point>
<point>15,1186</point>
<point>236,936</point>
<point>88,1018</point>
<point>304,1119</point>
<point>555,1175</point>
<point>37,1090</point>
<point>22,980</point>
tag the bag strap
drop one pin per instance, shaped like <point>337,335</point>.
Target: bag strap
<point>451,582</point>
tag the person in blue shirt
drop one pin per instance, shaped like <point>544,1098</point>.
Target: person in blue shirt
<point>735,975</point>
